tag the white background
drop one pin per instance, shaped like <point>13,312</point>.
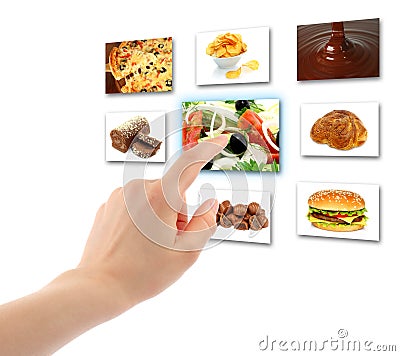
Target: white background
<point>54,178</point>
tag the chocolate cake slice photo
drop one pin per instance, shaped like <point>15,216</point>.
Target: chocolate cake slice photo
<point>135,136</point>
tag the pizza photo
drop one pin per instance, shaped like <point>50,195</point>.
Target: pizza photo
<point>139,66</point>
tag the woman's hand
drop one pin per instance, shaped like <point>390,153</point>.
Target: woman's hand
<point>141,241</point>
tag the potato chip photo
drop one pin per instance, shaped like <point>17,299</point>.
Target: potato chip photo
<point>233,56</point>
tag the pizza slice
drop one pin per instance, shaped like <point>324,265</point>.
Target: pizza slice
<point>120,60</point>
<point>145,65</point>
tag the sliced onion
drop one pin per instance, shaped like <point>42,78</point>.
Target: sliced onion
<point>256,153</point>
<point>212,125</point>
<point>219,130</point>
<point>265,131</point>
<point>225,163</point>
<point>221,111</point>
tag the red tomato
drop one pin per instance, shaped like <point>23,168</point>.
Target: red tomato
<point>271,135</point>
<point>196,118</point>
<point>191,131</point>
<point>273,157</point>
<point>252,123</point>
<point>250,118</point>
<point>341,216</point>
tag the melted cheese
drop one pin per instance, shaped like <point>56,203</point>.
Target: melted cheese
<point>347,220</point>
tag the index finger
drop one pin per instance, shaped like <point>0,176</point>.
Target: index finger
<point>186,168</point>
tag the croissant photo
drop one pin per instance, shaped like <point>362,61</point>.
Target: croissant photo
<point>339,129</point>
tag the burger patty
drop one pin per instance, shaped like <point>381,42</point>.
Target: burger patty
<point>335,220</point>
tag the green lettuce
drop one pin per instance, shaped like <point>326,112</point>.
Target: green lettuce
<point>334,213</point>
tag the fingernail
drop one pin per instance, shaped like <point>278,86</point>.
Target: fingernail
<point>215,206</point>
<point>221,139</point>
<point>209,205</point>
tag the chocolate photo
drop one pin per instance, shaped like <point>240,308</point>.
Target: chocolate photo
<point>242,215</point>
<point>338,50</point>
<point>135,136</point>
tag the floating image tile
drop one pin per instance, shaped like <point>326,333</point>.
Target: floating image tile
<point>339,210</point>
<point>233,56</point>
<point>135,136</point>
<point>340,129</point>
<point>251,125</point>
<point>139,66</point>
<point>337,50</point>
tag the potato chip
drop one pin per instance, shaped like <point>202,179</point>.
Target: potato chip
<point>238,37</point>
<point>210,49</point>
<point>220,51</point>
<point>231,50</point>
<point>226,45</point>
<point>253,64</point>
<point>231,39</point>
<point>232,74</point>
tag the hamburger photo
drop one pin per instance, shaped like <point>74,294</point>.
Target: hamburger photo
<point>337,210</point>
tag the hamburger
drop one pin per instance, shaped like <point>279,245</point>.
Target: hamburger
<point>337,210</point>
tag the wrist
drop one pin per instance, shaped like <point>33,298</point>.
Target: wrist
<point>97,290</point>
<point>73,303</point>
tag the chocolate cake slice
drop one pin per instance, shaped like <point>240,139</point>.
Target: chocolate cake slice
<point>123,135</point>
<point>145,146</point>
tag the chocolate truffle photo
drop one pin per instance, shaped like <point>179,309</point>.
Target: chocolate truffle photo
<point>243,216</point>
<point>338,50</point>
<point>135,136</point>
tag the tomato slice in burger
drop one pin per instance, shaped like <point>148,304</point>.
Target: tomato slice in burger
<point>341,216</point>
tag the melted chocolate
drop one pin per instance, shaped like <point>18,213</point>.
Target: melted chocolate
<point>347,49</point>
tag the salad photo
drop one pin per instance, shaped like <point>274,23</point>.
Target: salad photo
<point>251,125</point>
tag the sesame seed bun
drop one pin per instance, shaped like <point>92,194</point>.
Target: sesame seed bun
<point>336,200</point>
<point>337,227</point>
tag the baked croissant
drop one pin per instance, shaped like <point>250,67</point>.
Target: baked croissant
<point>340,129</point>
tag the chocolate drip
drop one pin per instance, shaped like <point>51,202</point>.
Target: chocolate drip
<point>338,43</point>
<point>338,50</point>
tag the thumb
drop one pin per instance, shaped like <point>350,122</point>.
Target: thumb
<point>200,228</point>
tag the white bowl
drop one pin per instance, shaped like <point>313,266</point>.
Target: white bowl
<point>227,62</point>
